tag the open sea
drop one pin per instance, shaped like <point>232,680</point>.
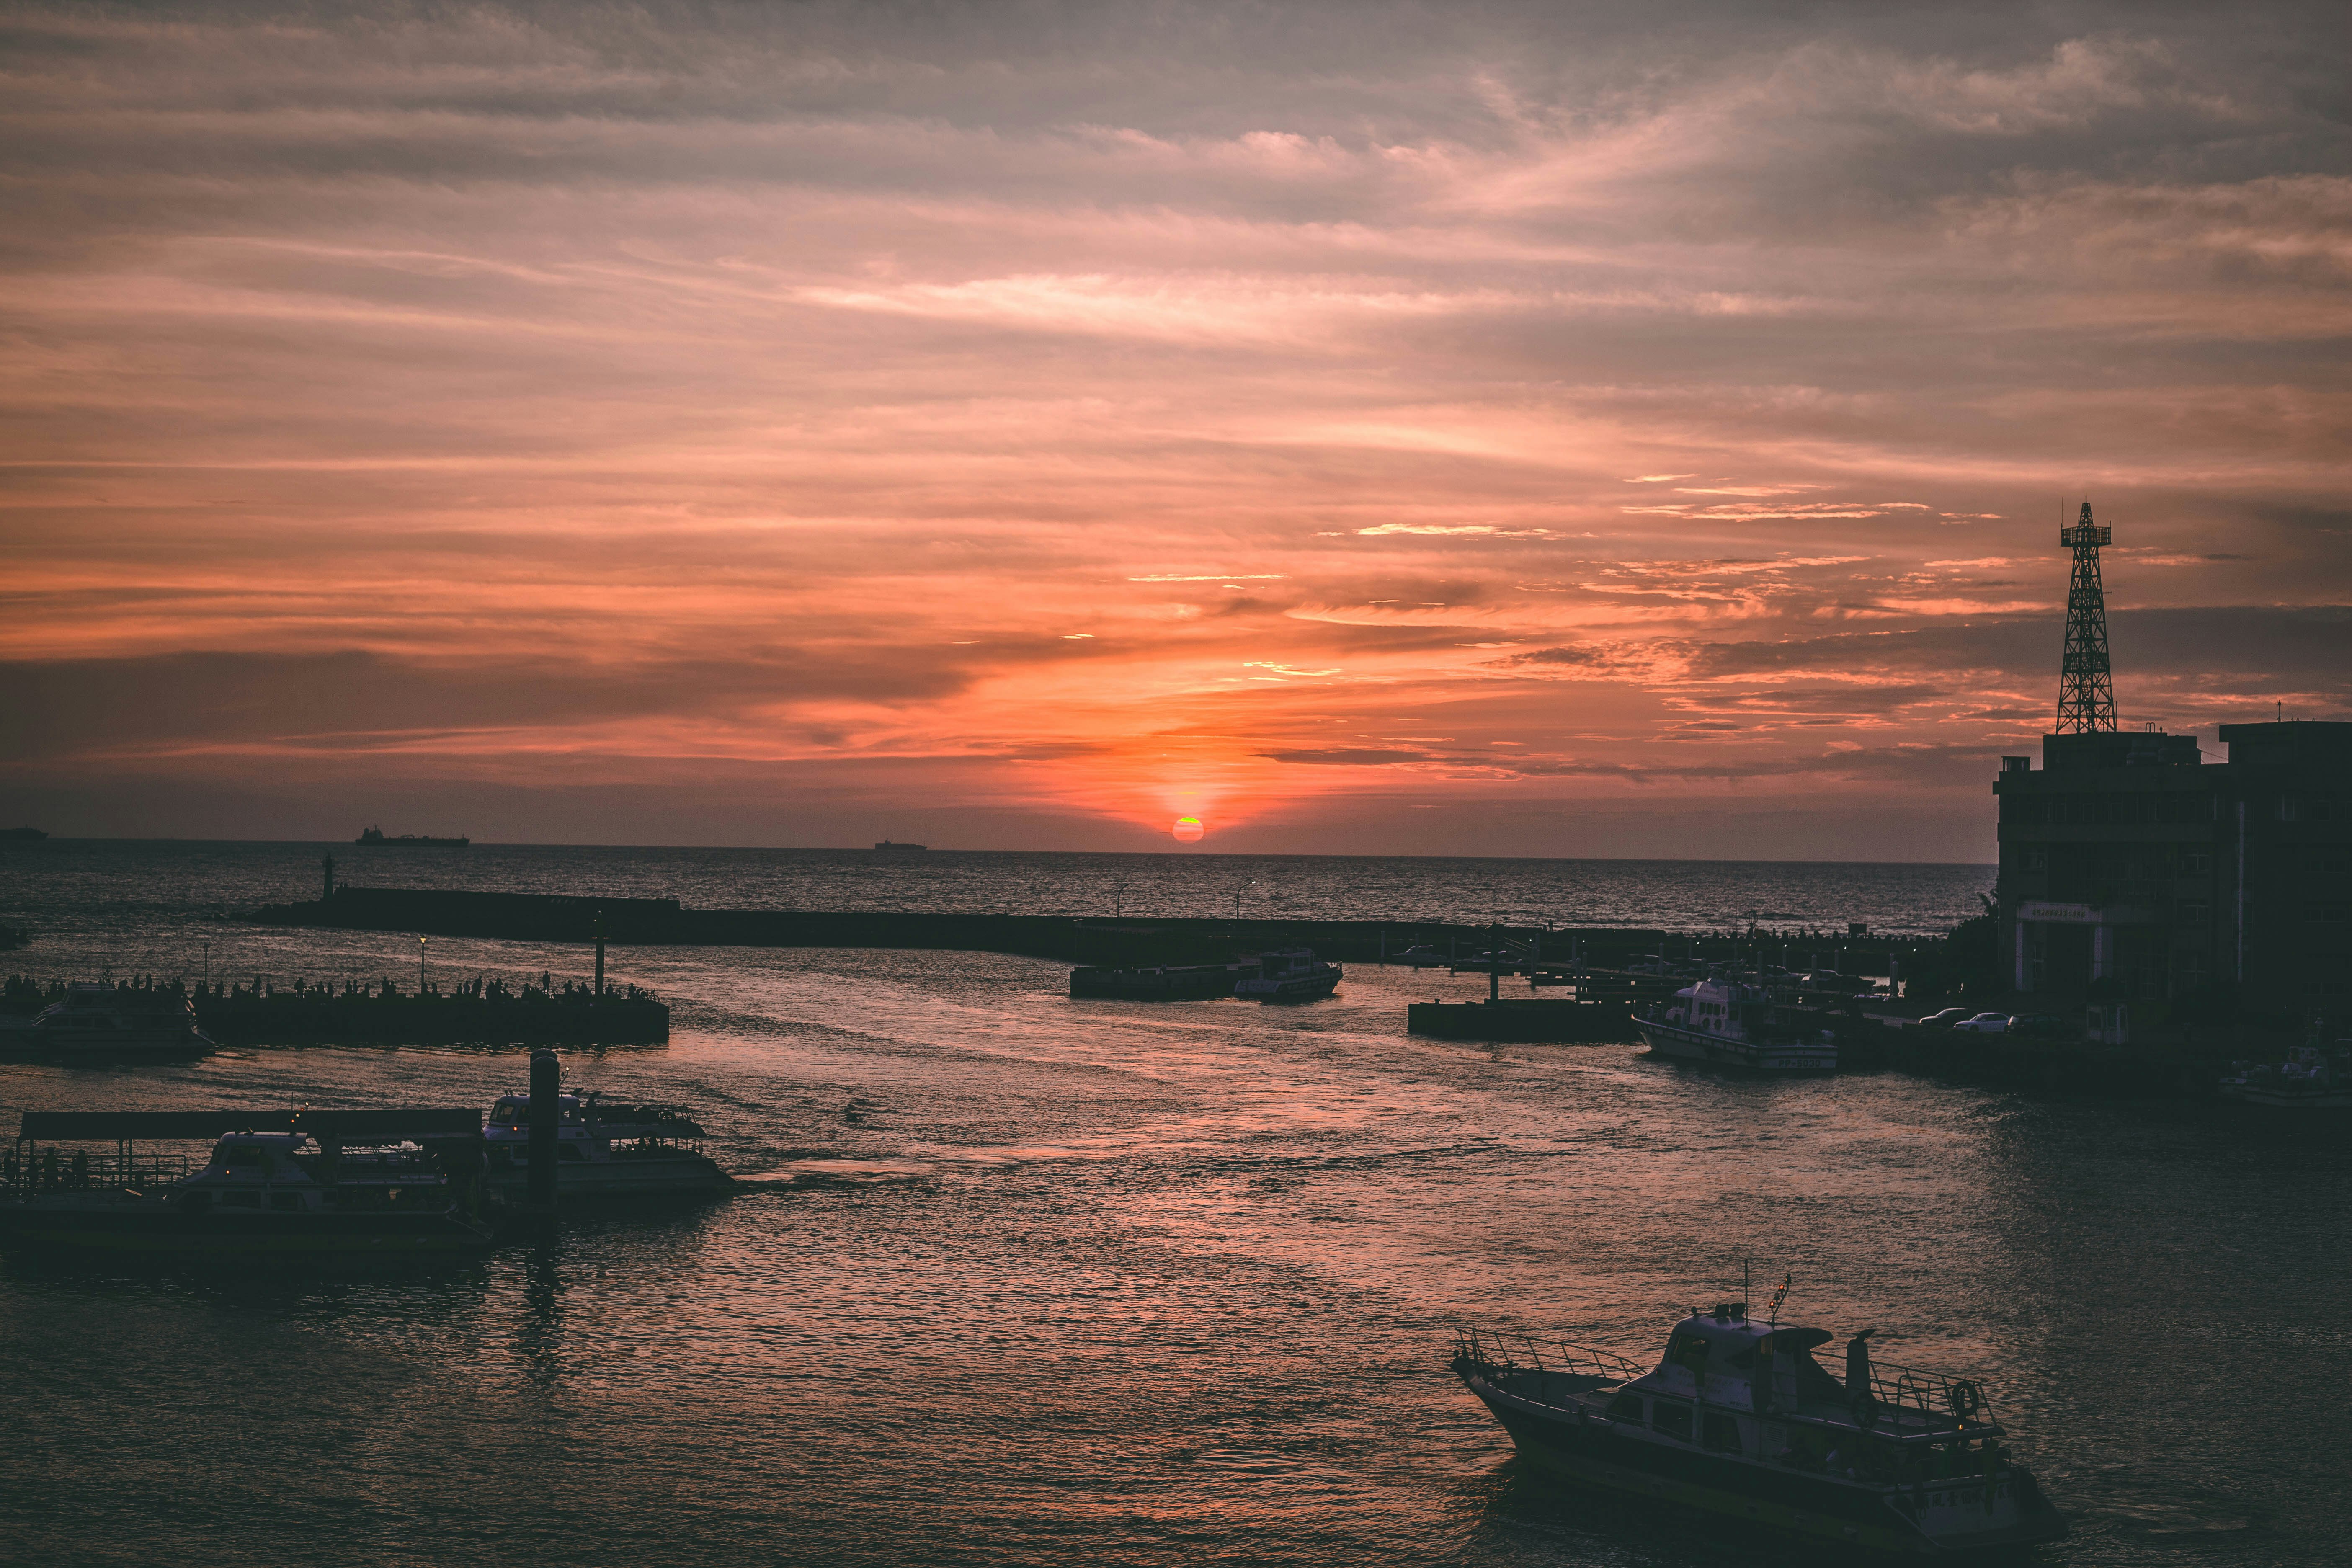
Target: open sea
<point>1063,1282</point>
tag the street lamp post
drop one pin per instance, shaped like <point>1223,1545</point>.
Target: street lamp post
<point>1238,896</point>
<point>1118,899</point>
<point>420,966</point>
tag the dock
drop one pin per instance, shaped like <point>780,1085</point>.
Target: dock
<point>1110,942</point>
<point>475,1014</point>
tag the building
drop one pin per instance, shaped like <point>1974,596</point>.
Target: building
<point>2129,858</point>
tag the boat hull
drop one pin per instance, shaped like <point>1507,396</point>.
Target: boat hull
<point>687,1175</point>
<point>2289,1099</point>
<point>147,1226</point>
<point>1910,1521</point>
<point>1310,988</point>
<point>1677,1044</point>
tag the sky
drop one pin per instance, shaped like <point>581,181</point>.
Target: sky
<point>1582,430</point>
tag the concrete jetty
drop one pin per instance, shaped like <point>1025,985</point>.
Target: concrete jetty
<point>574,918</point>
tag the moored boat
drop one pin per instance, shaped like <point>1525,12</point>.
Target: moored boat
<point>616,1149</point>
<point>1293,974</point>
<point>1738,1419</point>
<point>1159,982</point>
<point>2311,1078</point>
<point>258,1193</point>
<point>111,1023</point>
<point>1725,1023</point>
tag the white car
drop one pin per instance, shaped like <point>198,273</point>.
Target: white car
<point>1985,1024</point>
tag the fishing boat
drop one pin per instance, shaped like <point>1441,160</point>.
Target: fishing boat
<point>1738,1419</point>
<point>603,1149</point>
<point>1727,1024</point>
<point>111,1023</point>
<point>258,1193</point>
<point>1293,974</point>
<point>2311,1078</point>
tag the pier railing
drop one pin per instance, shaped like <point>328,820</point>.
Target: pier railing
<point>1496,1350</point>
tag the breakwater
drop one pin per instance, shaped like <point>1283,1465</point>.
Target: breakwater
<point>479,1013</point>
<point>564,918</point>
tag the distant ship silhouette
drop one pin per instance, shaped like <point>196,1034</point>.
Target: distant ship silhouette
<point>412,840</point>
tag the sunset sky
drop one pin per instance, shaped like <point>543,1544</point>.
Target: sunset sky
<point>1560,430</point>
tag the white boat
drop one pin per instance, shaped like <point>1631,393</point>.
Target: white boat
<point>1725,1023</point>
<point>604,1149</point>
<point>1421,957</point>
<point>1293,974</point>
<point>1738,1419</point>
<point>2311,1078</point>
<point>111,1023</point>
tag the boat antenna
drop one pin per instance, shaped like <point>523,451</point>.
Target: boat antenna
<point>1743,1286</point>
<point>1772,1313</point>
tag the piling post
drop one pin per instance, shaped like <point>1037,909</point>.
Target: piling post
<point>546,1084</point>
<point>330,891</point>
<point>599,992</point>
<point>1494,962</point>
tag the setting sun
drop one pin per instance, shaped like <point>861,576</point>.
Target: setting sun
<point>1189,830</point>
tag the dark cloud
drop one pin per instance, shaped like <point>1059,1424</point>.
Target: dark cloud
<point>358,700</point>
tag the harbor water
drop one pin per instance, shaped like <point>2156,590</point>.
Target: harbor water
<point>1048,1281</point>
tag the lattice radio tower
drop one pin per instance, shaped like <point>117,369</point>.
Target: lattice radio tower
<point>2087,684</point>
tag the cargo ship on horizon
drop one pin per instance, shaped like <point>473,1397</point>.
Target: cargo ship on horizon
<point>412,840</point>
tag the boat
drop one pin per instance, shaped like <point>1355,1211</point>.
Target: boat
<point>1159,982</point>
<point>257,1192</point>
<point>23,835</point>
<point>111,1023</point>
<point>1421,957</point>
<point>889,848</point>
<point>1739,1420</point>
<point>1727,1024</point>
<point>411,840</point>
<point>1293,974</point>
<point>2313,1077</point>
<point>602,1149</point>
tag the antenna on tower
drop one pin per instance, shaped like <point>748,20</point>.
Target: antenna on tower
<point>2087,682</point>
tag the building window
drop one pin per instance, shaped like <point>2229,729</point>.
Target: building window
<point>2035,860</point>
<point>2195,912</point>
<point>2196,862</point>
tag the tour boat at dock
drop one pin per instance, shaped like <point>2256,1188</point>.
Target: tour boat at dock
<point>1739,1420</point>
<point>604,1149</point>
<point>258,1193</point>
<point>2311,1078</point>
<point>1293,974</point>
<point>1727,1024</point>
<point>108,1023</point>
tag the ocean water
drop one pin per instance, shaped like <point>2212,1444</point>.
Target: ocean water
<point>1065,1282</point>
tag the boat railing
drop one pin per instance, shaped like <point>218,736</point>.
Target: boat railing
<point>95,1172</point>
<point>1933,1395</point>
<point>1492,1350</point>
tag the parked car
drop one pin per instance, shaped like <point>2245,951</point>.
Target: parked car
<point>1984,1023</point>
<point>2041,1025</point>
<point>1945,1019</point>
<point>1874,996</point>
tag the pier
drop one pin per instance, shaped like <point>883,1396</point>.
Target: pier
<point>1075,939</point>
<point>479,1013</point>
